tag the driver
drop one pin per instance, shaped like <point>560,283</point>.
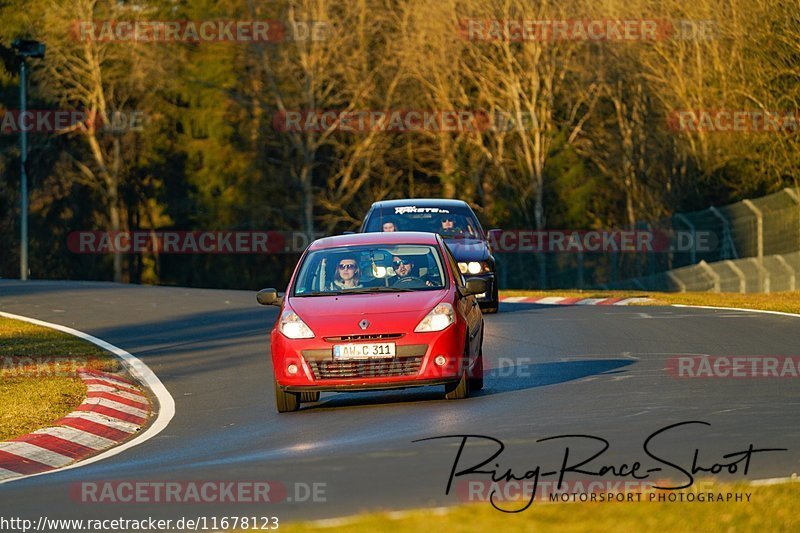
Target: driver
<point>448,226</point>
<point>405,272</point>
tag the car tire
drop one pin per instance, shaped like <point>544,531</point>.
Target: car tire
<point>286,402</point>
<point>476,381</point>
<point>458,390</point>
<point>495,303</point>
<point>309,397</point>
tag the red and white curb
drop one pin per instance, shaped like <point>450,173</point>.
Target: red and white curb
<point>559,300</point>
<point>107,423</point>
<point>114,410</point>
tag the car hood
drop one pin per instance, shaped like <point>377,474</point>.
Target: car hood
<point>465,250</point>
<point>393,312</point>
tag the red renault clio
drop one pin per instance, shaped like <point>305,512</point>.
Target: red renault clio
<point>376,311</point>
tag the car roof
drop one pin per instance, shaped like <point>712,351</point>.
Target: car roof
<point>389,237</point>
<point>421,202</point>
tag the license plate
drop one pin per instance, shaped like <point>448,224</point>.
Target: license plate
<point>363,351</point>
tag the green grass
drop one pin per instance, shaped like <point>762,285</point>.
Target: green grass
<point>787,302</point>
<point>38,380</point>
<point>771,508</point>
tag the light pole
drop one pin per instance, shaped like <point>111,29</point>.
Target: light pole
<point>25,48</point>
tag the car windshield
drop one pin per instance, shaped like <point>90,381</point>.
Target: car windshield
<point>449,222</point>
<point>368,269</point>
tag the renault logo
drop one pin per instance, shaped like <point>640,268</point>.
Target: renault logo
<point>364,324</point>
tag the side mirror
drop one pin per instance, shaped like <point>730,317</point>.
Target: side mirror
<point>474,286</point>
<point>269,297</point>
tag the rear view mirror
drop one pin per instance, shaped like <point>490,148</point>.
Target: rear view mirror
<point>474,286</point>
<point>269,297</point>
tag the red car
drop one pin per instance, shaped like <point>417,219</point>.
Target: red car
<point>376,311</point>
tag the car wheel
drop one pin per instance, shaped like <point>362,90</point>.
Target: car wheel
<point>286,401</point>
<point>309,396</point>
<point>495,303</point>
<point>476,381</point>
<point>458,390</point>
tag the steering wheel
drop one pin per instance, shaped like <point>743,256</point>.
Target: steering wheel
<point>407,279</point>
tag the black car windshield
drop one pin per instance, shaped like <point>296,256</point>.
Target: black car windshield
<point>446,221</point>
<point>370,269</point>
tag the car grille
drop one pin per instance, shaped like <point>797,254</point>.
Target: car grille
<point>371,337</point>
<point>379,368</point>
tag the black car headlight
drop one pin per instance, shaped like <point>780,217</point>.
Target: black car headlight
<point>474,267</point>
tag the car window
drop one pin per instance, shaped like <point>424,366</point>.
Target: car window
<point>370,268</point>
<point>449,222</point>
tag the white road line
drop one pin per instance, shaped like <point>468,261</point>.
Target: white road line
<point>138,370</point>
<point>513,299</point>
<point>78,436</point>
<point>35,453</point>
<point>775,481</point>
<point>781,313</point>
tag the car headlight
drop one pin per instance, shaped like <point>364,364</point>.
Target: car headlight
<point>474,267</point>
<point>293,327</point>
<point>439,318</point>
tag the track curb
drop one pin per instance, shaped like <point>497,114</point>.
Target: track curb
<point>117,414</point>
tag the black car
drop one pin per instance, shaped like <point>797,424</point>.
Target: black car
<point>455,221</point>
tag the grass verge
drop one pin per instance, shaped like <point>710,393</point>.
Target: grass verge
<point>38,378</point>
<point>787,302</point>
<point>771,508</point>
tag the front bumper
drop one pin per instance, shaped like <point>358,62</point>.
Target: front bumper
<point>412,366</point>
<point>489,297</point>
<point>354,387</point>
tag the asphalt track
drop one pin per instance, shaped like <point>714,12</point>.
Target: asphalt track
<point>556,370</point>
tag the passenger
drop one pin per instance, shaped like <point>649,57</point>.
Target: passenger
<point>347,276</point>
<point>389,225</point>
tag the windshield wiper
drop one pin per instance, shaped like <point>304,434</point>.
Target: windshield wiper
<point>315,293</point>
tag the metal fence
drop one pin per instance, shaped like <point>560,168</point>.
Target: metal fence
<point>749,246</point>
